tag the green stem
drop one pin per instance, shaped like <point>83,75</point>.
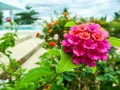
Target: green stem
<point>8,56</point>
<point>53,78</point>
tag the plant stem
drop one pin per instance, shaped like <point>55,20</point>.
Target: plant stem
<point>8,56</point>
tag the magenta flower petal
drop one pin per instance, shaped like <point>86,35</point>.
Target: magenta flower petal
<point>83,27</point>
<point>94,27</point>
<point>74,40</point>
<point>74,30</point>
<point>78,50</point>
<point>98,36</point>
<point>102,47</point>
<point>77,60</point>
<point>93,54</point>
<point>89,44</point>
<point>68,49</point>
<point>103,56</point>
<point>67,36</point>
<point>65,43</point>
<point>90,62</point>
<point>107,44</point>
<point>106,34</point>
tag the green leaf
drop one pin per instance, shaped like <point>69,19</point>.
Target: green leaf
<point>44,56</point>
<point>109,76</point>
<point>93,69</point>
<point>3,66</point>
<point>60,80</point>
<point>101,78</point>
<point>67,77</point>
<point>70,24</point>
<point>7,88</point>
<point>118,71</point>
<point>54,52</point>
<point>114,41</point>
<point>65,63</point>
<point>55,87</point>
<point>34,75</point>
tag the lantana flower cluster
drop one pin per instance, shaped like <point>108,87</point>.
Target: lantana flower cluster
<point>87,43</point>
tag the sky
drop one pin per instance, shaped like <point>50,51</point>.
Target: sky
<point>82,8</point>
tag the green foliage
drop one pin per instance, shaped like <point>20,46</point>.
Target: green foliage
<point>55,87</point>
<point>114,41</point>
<point>59,80</point>
<point>54,52</point>
<point>115,28</point>
<point>65,63</point>
<point>1,17</point>
<point>8,88</point>
<point>13,69</point>
<point>93,70</point>
<point>117,16</point>
<point>70,24</point>
<point>115,25</point>
<point>32,77</point>
<point>58,27</point>
<point>8,40</point>
<point>11,26</point>
<point>56,71</point>
<point>26,17</point>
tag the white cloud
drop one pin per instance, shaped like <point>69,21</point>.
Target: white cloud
<point>84,8</point>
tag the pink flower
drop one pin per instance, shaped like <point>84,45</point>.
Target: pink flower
<point>70,39</point>
<point>77,60</point>
<point>83,27</point>
<point>84,35</point>
<point>87,44</point>
<point>103,56</point>
<point>90,62</point>
<point>93,54</point>
<point>94,27</point>
<point>78,50</point>
<point>68,49</point>
<point>67,36</point>
<point>98,36</point>
<point>65,43</point>
<point>107,44</point>
<point>102,47</point>
<point>74,40</point>
<point>74,30</point>
<point>106,34</point>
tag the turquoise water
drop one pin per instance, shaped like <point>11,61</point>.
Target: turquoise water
<point>23,28</point>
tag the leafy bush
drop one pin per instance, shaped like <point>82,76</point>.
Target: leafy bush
<point>56,71</point>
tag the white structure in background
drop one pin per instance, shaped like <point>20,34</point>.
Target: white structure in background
<point>10,6</point>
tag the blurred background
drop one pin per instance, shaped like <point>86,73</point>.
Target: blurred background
<point>45,9</point>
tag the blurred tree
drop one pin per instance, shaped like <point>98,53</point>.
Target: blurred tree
<point>115,25</point>
<point>117,16</point>
<point>27,17</point>
<point>1,17</point>
<point>104,18</point>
